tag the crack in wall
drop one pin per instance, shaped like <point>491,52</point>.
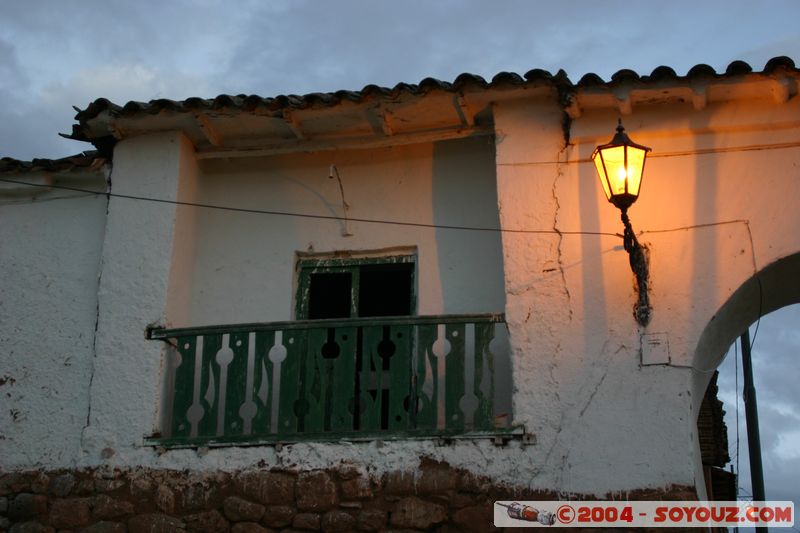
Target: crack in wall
<point>594,392</point>
<point>96,322</point>
<point>559,174</point>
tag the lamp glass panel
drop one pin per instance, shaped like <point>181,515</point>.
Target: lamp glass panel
<point>635,166</point>
<point>614,159</point>
<point>601,173</point>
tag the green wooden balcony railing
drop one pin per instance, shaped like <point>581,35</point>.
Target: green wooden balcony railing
<point>377,378</point>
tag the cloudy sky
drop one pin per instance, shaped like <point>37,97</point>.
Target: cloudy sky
<point>59,53</point>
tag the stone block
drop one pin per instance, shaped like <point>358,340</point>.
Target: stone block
<point>241,510</point>
<point>417,514</point>
<point>248,527</point>
<point>165,499</point>
<point>61,486</point>
<point>198,496</point>
<point>30,527</point>
<point>400,483</point>
<point>315,492</point>
<point>347,472</point>
<point>40,483</point>
<point>206,522</point>
<point>154,523</point>
<point>474,519</point>
<point>337,522</point>
<point>473,484</point>
<point>108,485</point>
<point>268,488</point>
<point>372,520</point>
<point>70,513</point>
<point>278,516</point>
<point>105,527</point>
<point>306,521</point>
<point>25,506</point>
<point>358,488</point>
<point>436,479</point>
<point>105,507</point>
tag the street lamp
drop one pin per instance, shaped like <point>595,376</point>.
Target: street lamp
<point>620,165</point>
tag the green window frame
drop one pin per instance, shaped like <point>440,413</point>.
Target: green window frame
<point>354,266</point>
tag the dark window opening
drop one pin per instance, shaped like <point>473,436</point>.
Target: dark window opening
<point>385,290</point>
<point>353,289</point>
<point>329,295</point>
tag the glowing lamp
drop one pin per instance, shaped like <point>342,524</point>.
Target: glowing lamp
<point>620,165</point>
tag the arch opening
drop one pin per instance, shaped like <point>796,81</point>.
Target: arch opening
<point>772,288</point>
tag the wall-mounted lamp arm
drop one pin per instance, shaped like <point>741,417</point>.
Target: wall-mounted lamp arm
<point>637,257</point>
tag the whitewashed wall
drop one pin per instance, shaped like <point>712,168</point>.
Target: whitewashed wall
<point>603,420</point>
<point>50,244</point>
<point>244,263</point>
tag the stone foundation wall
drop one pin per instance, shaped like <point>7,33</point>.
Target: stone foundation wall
<point>437,497</point>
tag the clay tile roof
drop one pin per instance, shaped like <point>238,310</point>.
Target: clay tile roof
<point>624,75</point>
<point>738,68</point>
<point>662,73</point>
<point>777,63</point>
<point>90,160</point>
<point>701,71</point>
<point>466,80</point>
<point>463,82</point>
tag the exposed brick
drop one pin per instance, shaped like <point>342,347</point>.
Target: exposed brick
<point>206,522</point>
<point>108,485</point>
<point>84,487</point>
<point>25,506</point>
<point>141,486</point>
<point>104,507</point>
<point>199,496</point>
<point>458,501</point>
<point>474,519</point>
<point>436,479</point>
<point>154,523</point>
<point>9,483</point>
<point>372,520</point>
<point>358,488</point>
<point>275,488</point>
<point>278,516</point>
<point>472,483</point>
<point>72,512</point>
<point>165,499</point>
<point>400,483</point>
<point>419,514</point>
<point>248,527</point>
<point>306,521</point>
<point>61,486</point>
<point>337,522</point>
<point>30,527</point>
<point>40,483</point>
<point>315,492</point>
<point>105,527</point>
<point>240,510</point>
<point>347,472</point>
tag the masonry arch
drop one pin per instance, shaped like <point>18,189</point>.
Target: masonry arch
<point>775,286</point>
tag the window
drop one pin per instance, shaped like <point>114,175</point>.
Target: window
<point>356,288</point>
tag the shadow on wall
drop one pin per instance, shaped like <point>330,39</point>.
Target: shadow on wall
<point>470,263</point>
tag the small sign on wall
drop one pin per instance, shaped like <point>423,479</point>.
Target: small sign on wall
<point>655,349</point>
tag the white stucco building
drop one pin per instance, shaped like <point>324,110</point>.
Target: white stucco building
<point>471,209</point>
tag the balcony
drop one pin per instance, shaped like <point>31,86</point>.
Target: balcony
<point>354,379</point>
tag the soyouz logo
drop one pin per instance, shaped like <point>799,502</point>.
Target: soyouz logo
<point>618,514</point>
